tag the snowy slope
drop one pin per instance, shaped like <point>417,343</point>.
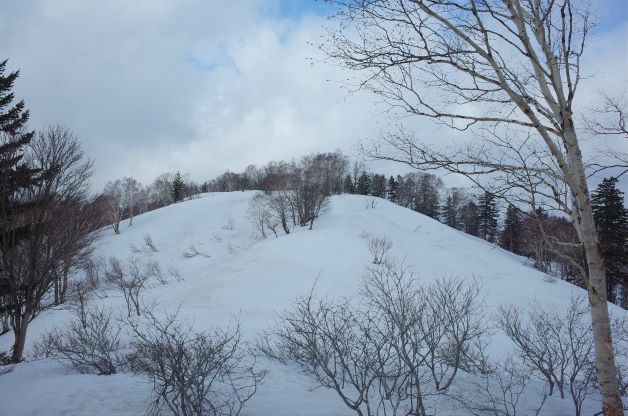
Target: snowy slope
<point>253,279</point>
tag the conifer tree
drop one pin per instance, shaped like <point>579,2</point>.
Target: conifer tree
<point>427,198</point>
<point>364,184</point>
<point>611,220</point>
<point>392,190</point>
<point>488,215</point>
<point>14,174</point>
<point>510,238</point>
<point>178,187</point>
<point>378,186</point>
<point>470,219</point>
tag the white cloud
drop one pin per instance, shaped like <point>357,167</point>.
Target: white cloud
<point>199,86</point>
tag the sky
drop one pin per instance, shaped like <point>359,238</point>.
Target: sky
<point>205,86</point>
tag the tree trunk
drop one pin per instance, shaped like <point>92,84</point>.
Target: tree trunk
<point>601,326</point>
<point>64,286</point>
<point>20,325</point>
<point>5,324</point>
<point>284,224</point>
<point>596,286</point>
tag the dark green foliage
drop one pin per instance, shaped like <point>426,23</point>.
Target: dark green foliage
<point>391,193</point>
<point>364,184</point>
<point>470,219</point>
<point>611,220</point>
<point>14,174</point>
<point>510,238</point>
<point>452,210</point>
<point>178,188</point>
<point>488,215</point>
<point>427,197</point>
<point>378,186</point>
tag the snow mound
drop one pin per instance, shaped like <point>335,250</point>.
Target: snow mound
<point>228,273</point>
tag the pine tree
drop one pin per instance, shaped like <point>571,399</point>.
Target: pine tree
<point>378,186</point>
<point>470,219</point>
<point>14,174</point>
<point>364,184</point>
<point>611,220</point>
<point>488,215</point>
<point>510,238</point>
<point>427,198</point>
<point>177,188</point>
<point>391,193</point>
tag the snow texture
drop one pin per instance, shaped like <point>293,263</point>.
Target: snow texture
<point>239,276</point>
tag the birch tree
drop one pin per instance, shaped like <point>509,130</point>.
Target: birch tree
<point>509,70</point>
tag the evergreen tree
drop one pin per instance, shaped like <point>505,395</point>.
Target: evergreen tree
<point>391,193</point>
<point>14,174</point>
<point>488,215</point>
<point>510,238</point>
<point>427,198</point>
<point>178,188</point>
<point>611,220</point>
<point>470,219</point>
<point>378,186</point>
<point>364,184</point>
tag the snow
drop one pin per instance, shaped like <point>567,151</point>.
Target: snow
<point>249,279</point>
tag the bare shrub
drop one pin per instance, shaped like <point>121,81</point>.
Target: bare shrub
<point>81,290</point>
<point>504,391</point>
<point>149,244</point>
<point>620,335</point>
<point>331,343</point>
<point>371,203</point>
<point>193,373</point>
<point>261,216</point>
<point>90,343</point>
<point>435,328</point>
<point>131,280</point>
<point>387,355</point>
<point>229,225</point>
<point>557,345</point>
<point>192,251</point>
<point>148,247</point>
<point>379,248</point>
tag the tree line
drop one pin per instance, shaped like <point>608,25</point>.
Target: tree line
<point>47,221</point>
<point>518,229</point>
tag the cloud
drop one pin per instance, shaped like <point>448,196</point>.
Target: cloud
<point>199,86</point>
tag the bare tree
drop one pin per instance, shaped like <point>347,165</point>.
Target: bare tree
<point>379,248</point>
<point>132,191</point>
<point>516,61</point>
<point>81,231</point>
<point>113,193</point>
<point>503,391</point>
<point>387,355</point>
<point>332,344</point>
<point>310,194</point>
<point>261,215</point>
<point>193,373</point>
<point>557,345</point>
<point>279,204</point>
<point>608,119</point>
<point>31,267</point>
<point>90,343</point>
<point>131,280</point>
<point>122,196</point>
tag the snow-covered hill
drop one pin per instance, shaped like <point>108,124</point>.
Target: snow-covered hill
<point>240,276</point>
